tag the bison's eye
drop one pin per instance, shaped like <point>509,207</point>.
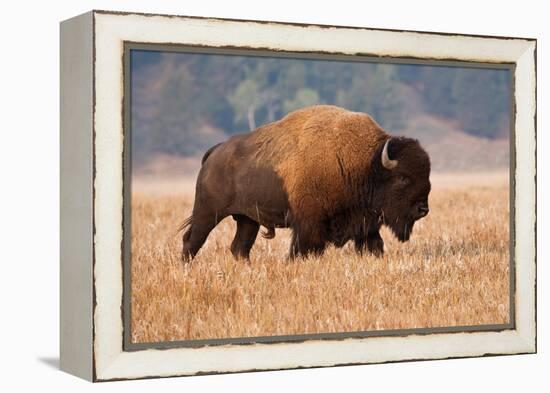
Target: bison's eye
<point>403,180</point>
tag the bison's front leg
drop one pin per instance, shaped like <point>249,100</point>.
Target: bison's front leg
<point>360,243</point>
<point>247,230</point>
<point>306,242</point>
<point>375,243</point>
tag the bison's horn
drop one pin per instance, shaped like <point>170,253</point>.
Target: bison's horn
<point>388,164</point>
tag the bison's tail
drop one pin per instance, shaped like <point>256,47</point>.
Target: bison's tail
<point>188,221</point>
<point>269,233</point>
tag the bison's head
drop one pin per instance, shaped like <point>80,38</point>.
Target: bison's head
<point>404,173</point>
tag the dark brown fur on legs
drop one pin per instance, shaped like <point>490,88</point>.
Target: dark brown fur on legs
<point>247,230</point>
<point>199,228</point>
<point>375,244</point>
<point>307,241</point>
<point>360,243</point>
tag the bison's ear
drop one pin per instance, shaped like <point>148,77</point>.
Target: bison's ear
<point>387,162</point>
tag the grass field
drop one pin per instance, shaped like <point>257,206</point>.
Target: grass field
<point>454,271</point>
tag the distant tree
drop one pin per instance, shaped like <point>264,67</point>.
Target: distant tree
<point>304,97</point>
<point>287,76</point>
<point>480,99</point>
<point>172,116</point>
<point>245,102</point>
<point>377,93</point>
<point>328,77</point>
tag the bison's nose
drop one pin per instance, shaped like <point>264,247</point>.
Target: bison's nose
<point>423,211</point>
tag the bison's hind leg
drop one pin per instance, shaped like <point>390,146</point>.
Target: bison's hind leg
<point>200,227</point>
<point>247,230</point>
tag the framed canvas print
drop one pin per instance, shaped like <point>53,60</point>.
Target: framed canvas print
<point>246,195</point>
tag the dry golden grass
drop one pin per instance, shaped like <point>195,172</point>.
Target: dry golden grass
<point>453,272</point>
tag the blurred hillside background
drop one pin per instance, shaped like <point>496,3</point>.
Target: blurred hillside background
<point>183,103</point>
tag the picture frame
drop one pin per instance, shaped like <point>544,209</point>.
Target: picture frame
<point>95,156</point>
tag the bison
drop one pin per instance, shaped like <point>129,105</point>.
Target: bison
<point>329,174</point>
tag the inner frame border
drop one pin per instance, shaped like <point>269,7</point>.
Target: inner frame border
<point>126,308</point>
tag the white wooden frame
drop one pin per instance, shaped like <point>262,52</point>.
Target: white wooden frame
<point>92,47</point>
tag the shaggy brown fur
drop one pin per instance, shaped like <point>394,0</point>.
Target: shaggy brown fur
<point>318,171</point>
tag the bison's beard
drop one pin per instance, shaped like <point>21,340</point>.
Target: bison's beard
<point>402,228</point>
